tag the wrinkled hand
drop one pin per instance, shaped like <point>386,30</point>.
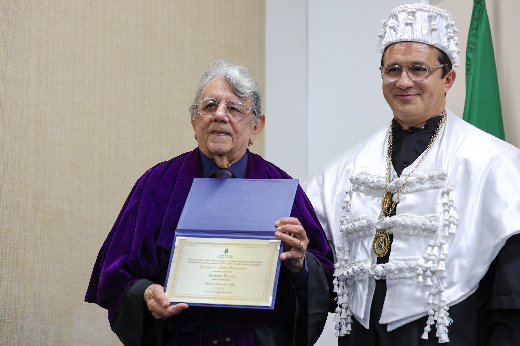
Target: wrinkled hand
<point>159,304</point>
<point>291,232</point>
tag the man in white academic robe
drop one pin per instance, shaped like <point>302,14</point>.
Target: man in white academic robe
<point>424,215</point>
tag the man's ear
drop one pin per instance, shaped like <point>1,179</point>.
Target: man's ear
<point>258,127</point>
<point>193,123</point>
<point>449,80</point>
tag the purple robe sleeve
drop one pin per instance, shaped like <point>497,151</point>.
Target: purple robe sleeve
<point>109,279</point>
<point>131,250</point>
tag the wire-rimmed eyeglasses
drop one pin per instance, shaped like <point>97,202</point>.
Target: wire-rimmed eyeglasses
<point>236,109</point>
<point>417,73</point>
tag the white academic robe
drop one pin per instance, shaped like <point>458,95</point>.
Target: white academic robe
<point>455,213</point>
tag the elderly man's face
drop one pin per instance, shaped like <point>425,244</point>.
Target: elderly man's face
<point>220,137</point>
<point>413,102</point>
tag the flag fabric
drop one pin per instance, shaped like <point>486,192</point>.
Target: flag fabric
<point>482,107</point>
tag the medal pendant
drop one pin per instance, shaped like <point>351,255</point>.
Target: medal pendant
<point>381,243</point>
<point>387,204</point>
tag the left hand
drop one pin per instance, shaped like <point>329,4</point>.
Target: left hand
<point>291,232</point>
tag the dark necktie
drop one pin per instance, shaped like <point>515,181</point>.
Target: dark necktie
<point>222,173</point>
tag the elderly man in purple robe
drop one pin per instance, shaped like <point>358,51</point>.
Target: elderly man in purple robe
<point>129,274</point>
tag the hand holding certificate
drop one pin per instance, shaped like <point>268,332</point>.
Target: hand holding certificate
<point>159,304</point>
<point>291,232</point>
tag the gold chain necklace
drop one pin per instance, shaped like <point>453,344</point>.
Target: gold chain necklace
<point>381,244</point>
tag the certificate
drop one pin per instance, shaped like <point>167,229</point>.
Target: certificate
<point>224,251</point>
<point>223,271</point>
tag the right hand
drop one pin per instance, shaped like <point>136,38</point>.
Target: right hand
<point>159,304</point>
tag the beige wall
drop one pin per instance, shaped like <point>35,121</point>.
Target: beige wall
<point>505,29</point>
<point>92,93</point>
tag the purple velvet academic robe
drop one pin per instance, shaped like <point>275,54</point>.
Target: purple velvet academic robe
<point>139,244</point>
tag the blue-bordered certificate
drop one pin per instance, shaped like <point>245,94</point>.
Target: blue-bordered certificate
<point>225,252</point>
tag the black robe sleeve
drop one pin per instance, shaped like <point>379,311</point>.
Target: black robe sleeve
<point>308,322</point>
<point>133,323</point>
<point>504,306</point>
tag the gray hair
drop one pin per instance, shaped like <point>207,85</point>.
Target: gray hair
<point>244,86</point>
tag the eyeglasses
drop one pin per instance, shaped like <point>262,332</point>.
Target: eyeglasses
<point>417,73</point>
<point>235,109</point>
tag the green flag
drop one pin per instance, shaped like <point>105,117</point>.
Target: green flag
<point>482,107</point>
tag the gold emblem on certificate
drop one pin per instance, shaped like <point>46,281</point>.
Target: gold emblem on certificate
<point>381,243</point>
<point>223,271</point>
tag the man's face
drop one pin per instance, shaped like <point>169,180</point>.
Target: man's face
<point>221,137</point>
<point>413,102</point>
